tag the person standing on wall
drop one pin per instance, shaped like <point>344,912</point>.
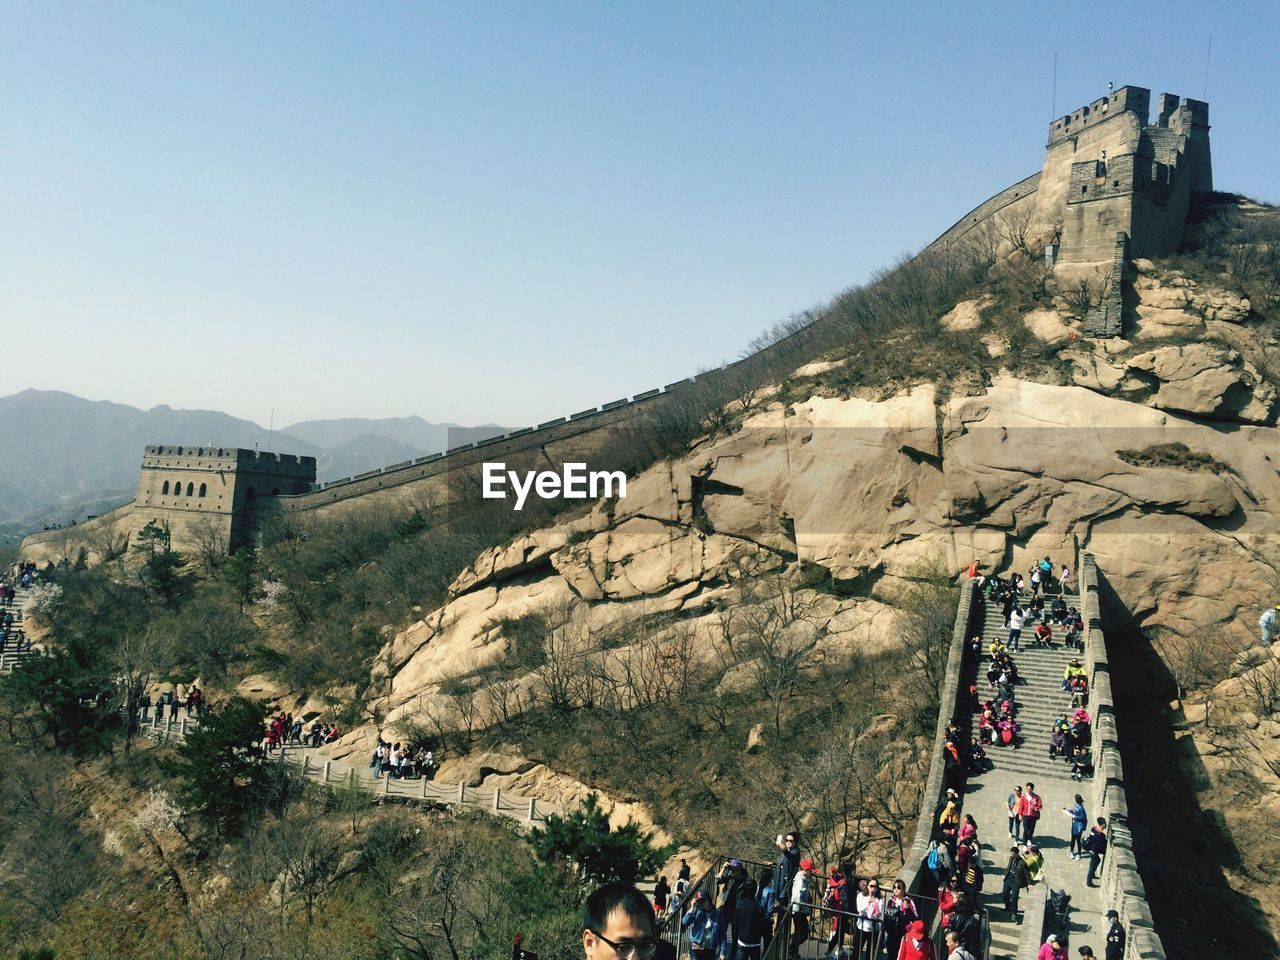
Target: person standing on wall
<point>1115,937</point>
<point>1030,809</point>
<point>1015,813</point>
<point>1096,845</point>
<point>1079,821</point>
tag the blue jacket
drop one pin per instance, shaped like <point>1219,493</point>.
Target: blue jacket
<point>706,928</point>
<point>767,899</point>
<point>1078,819</point>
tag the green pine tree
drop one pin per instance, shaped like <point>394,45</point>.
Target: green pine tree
<point>219,773</point>
<point>600,853</point>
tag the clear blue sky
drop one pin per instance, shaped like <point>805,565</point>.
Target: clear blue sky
<point>508,212</point>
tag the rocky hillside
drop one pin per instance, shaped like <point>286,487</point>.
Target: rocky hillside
<point>1157,453</point>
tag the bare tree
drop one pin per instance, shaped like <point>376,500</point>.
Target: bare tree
<point>896,769</point>
<point>980,246</point>
<point>502,699</point>
<point>569,674</point>
<point>140,656</point>
<point>1086,295</point>
<point>1013,224</point>
<point>1194,660</point>
<point>304,852</point>
<point>465,698</point>
<point>458,896</point>
<point>209,534</point>
<point>830,794</point>
<point>774,632</point>
<point>47,855</point>
<point>926,619</point>
<point>352,800</point>
<point>110,543</point>
<point>1262,686</point>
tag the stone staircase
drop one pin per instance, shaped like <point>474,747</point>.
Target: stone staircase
<point>14,649</point>
<point>1040,699</point>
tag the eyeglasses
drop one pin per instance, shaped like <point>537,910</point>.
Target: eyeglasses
<point>630,951</point>
<point>791,839</point>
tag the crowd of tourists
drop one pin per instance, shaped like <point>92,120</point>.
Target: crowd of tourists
<point>399,762</point>
<point>954,852</point>
<point>19,575</point>
<point>23,575</point>
<point>856,917</point>
<point>9,630</point>
<point>284,729</point>
<point>850,916</point>
<point>168,703</point>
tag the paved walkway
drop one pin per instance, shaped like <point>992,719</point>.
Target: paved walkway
<point>1040,700</point>
<point>336,773</point>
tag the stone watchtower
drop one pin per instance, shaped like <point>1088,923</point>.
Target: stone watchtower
<point>215,494</point>
<point>1108,170</point>
<point>1119,187</point>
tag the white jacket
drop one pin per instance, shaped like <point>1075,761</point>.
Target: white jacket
<point>870,910</point>
<point>800,899</point>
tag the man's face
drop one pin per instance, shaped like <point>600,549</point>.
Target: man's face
<point>623,930</point>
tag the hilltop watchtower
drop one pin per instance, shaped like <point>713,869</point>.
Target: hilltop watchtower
<point>1108,170</point>
<point>216,492</point>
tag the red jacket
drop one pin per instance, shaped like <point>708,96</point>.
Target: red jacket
<point>910,951</point>
<point>947,904</point>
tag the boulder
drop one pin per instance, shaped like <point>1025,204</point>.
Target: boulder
<point>1094,371</point>
<point>872,489</point>
<point>1207,379</point>
<point>1047,325</point>
<point>755,738</point>
<point>819,367</point>
<point>965,315</point>
<point>1174,306</point>
<point>996,345</point>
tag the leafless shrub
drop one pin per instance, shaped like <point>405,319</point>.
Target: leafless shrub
<point>1013,225</point>
<point>1086,295</point>
<point>1262,686</point>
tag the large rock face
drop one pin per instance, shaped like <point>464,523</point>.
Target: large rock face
<point>1207,379</point>
<point>868,490</point>
<point>1171,305</point>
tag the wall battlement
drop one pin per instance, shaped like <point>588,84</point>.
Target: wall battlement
<point>227,458</point>
<point>1126,99</point>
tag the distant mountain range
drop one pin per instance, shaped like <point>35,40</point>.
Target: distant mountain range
<point>62,457</point>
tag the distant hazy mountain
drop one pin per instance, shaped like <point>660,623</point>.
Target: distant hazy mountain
<point>62,456</point>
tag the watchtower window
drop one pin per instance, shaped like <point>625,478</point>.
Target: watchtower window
<point>164,491</point>
<point>1084,189</point>
<point>191,487</point>
<point>179,451</point>
<point>1115,183</point>
<point>203,489</point>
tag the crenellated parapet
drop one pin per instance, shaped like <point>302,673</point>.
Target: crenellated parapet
<point>1127,99</point>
